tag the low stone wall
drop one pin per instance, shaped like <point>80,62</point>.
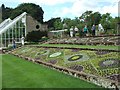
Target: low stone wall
<point>100,81</point>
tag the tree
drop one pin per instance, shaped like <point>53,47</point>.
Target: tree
<point>96,17</point>
<point>53,23</point>
<point>6,12</point>
<point>58,24</point>
<point>69,22</point>
<point>114,23</point>
<point>89,18</point>
<point>105,21</point>
<point>85,15</point>
<point>34,10</point>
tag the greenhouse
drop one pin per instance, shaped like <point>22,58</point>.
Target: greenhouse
<point>12,29</point>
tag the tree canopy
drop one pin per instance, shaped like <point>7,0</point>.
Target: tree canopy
<point>87,18</point>
<point>6,12</point>
<point>32,9</point>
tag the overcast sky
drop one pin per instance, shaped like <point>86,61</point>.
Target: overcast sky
<point>68,8</point>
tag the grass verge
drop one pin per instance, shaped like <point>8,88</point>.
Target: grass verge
<point>110,47</point>
<point>18,73</point>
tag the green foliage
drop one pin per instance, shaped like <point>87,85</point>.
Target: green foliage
<point>87,18</point>
<point>6,12</point>
<point>105,21</point>
<point>32,9</point>
<point>96,17</point>
<point>54,23</point>
<point>69,22</point>
<point>58,24</point>
<point>35,36</point>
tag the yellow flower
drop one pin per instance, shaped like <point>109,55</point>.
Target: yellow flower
<point>75,57</point>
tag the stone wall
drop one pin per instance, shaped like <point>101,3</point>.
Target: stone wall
<point>34,25</point>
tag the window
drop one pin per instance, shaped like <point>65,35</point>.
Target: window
<point>37,26</point>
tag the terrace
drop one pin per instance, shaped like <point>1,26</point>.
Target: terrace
<point>101,40</point>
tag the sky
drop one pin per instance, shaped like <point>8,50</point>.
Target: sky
<point>68,8</point>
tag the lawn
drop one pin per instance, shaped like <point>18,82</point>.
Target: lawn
<point>19,73</point>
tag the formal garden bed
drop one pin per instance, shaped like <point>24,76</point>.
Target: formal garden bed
<point>99,63</point>
<point>111,40</point>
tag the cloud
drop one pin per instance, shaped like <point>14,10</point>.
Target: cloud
<point>61,12</point>
<point>110,9</point>
<point>47,2</point>
<point>80,6</point>
<point>60,8</point>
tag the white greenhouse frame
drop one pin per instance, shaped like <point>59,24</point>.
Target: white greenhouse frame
<point>12,29</point>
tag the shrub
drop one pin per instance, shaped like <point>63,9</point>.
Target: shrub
<point>35,36</point>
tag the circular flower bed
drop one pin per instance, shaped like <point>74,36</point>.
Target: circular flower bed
<point>109,62</point>
<point>114,77</point>
<point>75,57</point>
<point>42,52</point>
<point>101,52</point>
<point>55,54</point>
<point>52,61</point>
<point>77,68</point>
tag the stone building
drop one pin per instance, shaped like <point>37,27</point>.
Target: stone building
<point>34,25</point>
